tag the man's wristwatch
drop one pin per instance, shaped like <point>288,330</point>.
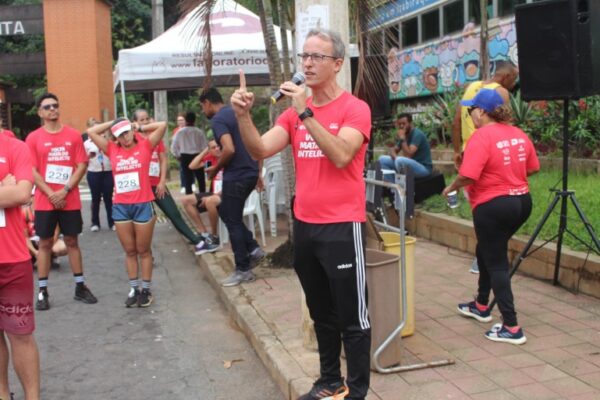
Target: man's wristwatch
<point>307,113</point>
<point>67,188</point>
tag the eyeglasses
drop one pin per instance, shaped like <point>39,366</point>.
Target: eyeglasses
<point>48,107</point>
<point>315,57</point>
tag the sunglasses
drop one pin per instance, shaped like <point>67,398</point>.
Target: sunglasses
<point>471,109</point>
<point>48,107</point>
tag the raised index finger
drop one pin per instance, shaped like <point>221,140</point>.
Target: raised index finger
<point>242,80</point>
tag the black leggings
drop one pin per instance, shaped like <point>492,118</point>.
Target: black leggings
<point>495,222</point>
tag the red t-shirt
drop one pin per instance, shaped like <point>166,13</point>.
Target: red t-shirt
<point>324,193</point>
<point>497,158</point>
<point>14,159</point>
<point>130,168</point>
<point>56,156</point>
<point>7,133</point>
<point>155,163</point>
<point>217,182</point>
<point>209,157</point>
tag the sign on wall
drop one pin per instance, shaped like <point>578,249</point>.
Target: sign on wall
<point>398,8</point>
<point>21,20</point>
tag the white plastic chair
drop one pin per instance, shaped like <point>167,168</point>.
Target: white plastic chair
<point>252,207</point>
<point>274,188</point>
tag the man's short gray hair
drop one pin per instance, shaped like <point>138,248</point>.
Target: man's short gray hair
<point>339,49</point>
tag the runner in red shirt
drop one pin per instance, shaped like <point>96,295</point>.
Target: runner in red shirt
<point>158,178</point>
<point>59,163</point>
<point>208,202</point>
<point>16,283</point>
<point>496,163</point>
<point>8,133</point>
<point>130,157</point>
<point>329,133</point>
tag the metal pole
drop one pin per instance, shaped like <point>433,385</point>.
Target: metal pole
<point>565,179</point>
<point>123,100</point>
<point>401,195</point>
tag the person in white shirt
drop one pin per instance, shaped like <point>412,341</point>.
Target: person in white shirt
<point>100,181</point>
<point>186,145</point>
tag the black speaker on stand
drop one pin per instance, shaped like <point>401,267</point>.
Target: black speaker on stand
<point>559,54</point>
<point>559,58</point>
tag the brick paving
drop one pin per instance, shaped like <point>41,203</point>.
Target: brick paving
<point>561,359</point>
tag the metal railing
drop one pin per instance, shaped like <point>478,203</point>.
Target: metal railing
<point>400,205</point>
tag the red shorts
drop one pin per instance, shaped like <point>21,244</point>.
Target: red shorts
<point>16,298</point>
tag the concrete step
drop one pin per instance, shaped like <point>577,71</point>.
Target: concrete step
<point>445,167</point>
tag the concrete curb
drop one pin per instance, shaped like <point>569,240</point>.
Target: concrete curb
<point>287,373</point>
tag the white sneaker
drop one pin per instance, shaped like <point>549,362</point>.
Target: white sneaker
<point>182,190</point>
<point>95,228</point>
<point>474,267</point>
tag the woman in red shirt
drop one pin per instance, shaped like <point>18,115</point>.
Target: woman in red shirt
<point>130,157</point>
<point>497,161</point>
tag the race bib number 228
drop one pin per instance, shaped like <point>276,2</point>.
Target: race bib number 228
<point>129,182</point>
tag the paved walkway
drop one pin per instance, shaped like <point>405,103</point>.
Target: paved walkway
<point>561,359</point>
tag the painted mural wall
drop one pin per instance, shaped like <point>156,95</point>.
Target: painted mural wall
<point>450,62</point>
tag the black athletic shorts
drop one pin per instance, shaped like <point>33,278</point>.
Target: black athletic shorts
<point>199,197</point>
<point>70,223</point>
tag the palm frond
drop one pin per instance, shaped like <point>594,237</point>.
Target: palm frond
<point>372,74</point>
<point>198,23</point>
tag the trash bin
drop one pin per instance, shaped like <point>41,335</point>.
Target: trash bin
<point>383,278</point>
<point>391,244</point>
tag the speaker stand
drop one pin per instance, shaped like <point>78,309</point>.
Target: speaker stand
<point>562,196</point>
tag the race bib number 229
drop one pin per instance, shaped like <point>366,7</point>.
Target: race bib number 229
<point>58,174</point>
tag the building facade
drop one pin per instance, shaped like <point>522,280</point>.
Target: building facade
<point>433,46</point>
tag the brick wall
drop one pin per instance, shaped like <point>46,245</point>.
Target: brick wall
<point>79,58</point>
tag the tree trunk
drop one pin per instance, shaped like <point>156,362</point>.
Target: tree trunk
<point>266,20</point>
<point>483,55</point>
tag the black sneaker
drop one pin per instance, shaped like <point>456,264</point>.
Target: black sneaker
<point>321,390</point>
<point>42,303</point>
<point>145,298</point>
<point>132,298</point>
<point>83,293</point>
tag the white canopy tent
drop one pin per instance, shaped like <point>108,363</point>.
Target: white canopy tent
<point>174,60</point>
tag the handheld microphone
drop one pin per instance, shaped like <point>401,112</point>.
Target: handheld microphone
<point>298,79</point>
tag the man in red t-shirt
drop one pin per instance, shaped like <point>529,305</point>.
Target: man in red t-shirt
<point>329,133</point>
<point>7,133</point>
<point>16,283</point>
<point>59,163</point>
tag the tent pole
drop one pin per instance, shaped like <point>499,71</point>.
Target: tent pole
<point>124,102</point>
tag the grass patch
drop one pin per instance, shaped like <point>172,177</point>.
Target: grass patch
<point>585,187</point>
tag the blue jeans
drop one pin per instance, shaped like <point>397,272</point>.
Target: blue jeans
<point>231,210</point>
<point>101,187</point>
<point>418,169</point>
